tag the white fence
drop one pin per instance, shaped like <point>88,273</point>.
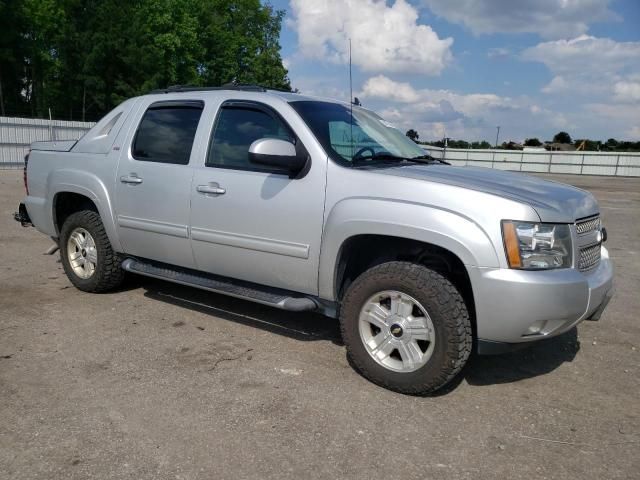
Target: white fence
<point>16,134</point>
<point>622,164</point>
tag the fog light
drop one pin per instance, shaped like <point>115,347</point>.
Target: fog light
<point>535,328</point>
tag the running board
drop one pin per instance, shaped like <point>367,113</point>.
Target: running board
<point>272,297</point>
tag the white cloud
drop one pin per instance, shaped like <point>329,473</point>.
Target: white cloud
<point>625,114</point>
<point>318,86</point>
<point>384,87</point>
<point>548,18</point>
<point>385,38</point>
<point>634,133</point>
<point>585,53</point>
<point>498,52</point>
<point>469,116</point>
<point>627,91</point>
<point>471,104</point>
<point>557,84</point>
<point>591,66</point>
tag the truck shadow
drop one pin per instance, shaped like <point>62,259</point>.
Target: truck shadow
<point>538,359</point>
<point>303,326</point>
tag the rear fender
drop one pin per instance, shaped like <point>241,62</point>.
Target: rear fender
<point>90,186</point>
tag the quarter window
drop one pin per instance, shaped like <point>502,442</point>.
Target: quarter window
<point>166,132</point>
<point>236,129</point>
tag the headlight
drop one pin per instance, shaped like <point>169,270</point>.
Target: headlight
<point>537,246</point>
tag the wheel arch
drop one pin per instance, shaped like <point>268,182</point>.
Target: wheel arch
<point>71,191</point>
<point>377,226</point>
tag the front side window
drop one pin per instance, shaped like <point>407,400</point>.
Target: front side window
<point>236,129</point>
<point>166,132</point>
<point>353,134</point>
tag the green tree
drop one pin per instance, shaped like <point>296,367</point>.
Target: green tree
<point>241,42</point>
<point>82,57</point>
<point>611,144</point>
<point>458,144</point>
<point>413,135</point>
<point>562,137</point>
<point>12,51</point>
<point>532,142</point>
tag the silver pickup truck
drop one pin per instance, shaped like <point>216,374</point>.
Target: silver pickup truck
<point>301,204</point>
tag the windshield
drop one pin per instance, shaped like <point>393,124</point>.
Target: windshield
<point>364,138</point>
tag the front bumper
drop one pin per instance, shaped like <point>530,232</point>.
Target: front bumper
<point>516,306</point>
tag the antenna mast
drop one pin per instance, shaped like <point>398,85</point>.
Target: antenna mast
<point>351,98</point>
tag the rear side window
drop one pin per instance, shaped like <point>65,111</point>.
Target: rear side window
<point>166,132</point>
<point>236,129</point>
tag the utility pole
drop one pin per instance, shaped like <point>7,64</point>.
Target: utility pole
<point>351,101</point>
<point>497,135</point>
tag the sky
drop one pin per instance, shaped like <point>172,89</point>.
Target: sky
<point>460,68</point>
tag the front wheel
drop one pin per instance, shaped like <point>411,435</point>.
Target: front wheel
<point>405,327</point>
<point>87,256</point>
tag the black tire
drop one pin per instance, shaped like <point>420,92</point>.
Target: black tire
<point>107,275</point>
<point>445,306</point>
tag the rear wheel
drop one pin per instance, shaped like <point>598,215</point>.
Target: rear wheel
<point>406,327</point>
<point>87,256</point>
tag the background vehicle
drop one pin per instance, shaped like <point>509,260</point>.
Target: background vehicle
<point>307,204</point>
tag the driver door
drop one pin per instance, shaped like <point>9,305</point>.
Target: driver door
<point>255,223</point>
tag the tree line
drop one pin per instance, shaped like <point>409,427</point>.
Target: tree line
<point>80,58</point>
<point>610,145</point>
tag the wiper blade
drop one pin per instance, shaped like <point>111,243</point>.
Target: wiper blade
<point>385,157</point>
<point>388,157</point>
<point>429,159</point>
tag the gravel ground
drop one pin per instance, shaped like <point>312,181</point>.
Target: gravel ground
<point>162,382</point>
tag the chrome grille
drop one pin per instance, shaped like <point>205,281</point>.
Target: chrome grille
<point>589,225</point>
<point>589,257</point>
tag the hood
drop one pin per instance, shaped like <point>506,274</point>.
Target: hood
<point>554,202</point>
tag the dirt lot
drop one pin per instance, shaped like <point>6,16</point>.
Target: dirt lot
<point>164,382</point>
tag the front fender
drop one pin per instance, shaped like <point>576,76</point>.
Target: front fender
<point>425,223</point>
<point>92,187</point>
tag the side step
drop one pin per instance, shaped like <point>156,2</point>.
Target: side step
<point>273,297</point>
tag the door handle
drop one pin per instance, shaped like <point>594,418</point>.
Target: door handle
<point>132,179</point>
<point>211,189</point>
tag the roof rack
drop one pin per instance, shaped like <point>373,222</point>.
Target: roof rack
<point>246,87</point>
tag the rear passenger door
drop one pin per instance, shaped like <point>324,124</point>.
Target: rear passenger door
<point>153,182</point>
<point>253,222</point>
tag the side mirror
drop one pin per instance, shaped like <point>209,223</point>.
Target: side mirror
<point>274,152</point>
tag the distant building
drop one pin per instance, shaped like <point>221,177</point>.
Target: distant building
<point>559,147</point>
<point>511,145</point>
